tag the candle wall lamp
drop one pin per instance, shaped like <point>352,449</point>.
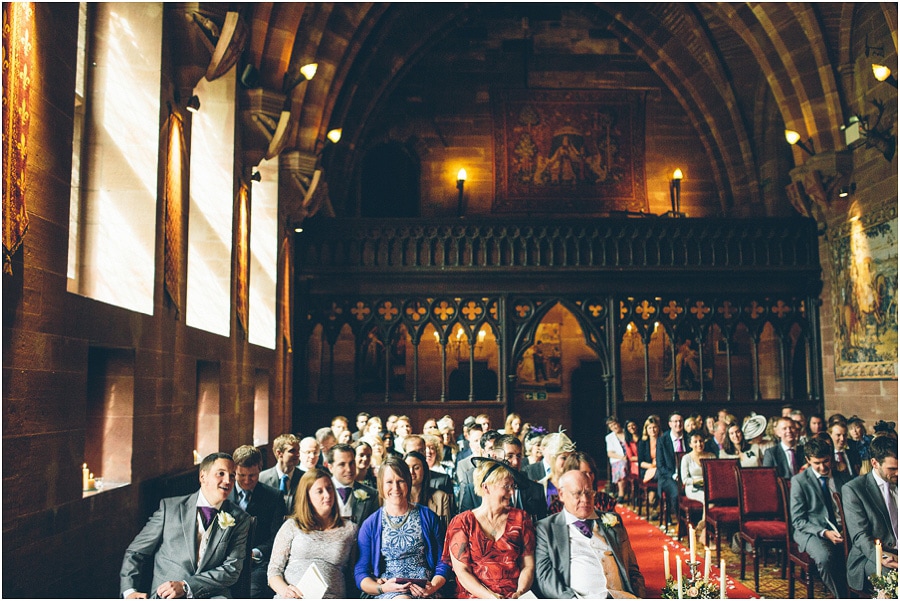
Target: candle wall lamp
<point>675,192</point>
<point>883,73</point>
<point>460,185</point>
<point>793,138</point>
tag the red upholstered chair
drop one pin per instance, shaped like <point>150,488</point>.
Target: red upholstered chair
<point>761,516</point>
<point>795,557</point>
<point>722,510</point>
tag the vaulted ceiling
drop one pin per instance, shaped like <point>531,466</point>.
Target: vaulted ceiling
<point>721,61</point>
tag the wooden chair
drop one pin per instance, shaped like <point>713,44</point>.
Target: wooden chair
<point>761,516</point>
<point>839,508</point>
<point>721,499</point>
<point>241,588</point>
<point>795,557</point>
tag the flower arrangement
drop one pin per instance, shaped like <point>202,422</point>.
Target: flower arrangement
<point>885,585</point>
<point>702,589</point>
<point>226,521</point>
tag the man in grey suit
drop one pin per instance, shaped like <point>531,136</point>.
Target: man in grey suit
<point>870,508</point>
<point>355,501</point>
<point>581,553</point>
<point>283,476</point>
<point>196,543</point>
<point>266,505</point>
<point>813,518</point>
<point>785,456</point>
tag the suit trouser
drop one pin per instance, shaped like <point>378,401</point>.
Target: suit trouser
<point>671,489</point>
<point>259,583</point>
<point>829,560</point>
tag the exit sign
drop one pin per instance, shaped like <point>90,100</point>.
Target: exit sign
<point>536,396</point>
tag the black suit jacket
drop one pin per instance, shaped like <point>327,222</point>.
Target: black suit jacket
<point>535,471</point>
<point>777,458</point>
<point>665,456</point>
<point>712,447</point>
<point>267,505</point>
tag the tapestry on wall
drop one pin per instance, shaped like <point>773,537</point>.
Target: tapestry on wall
<point>864,296</point>
<point>569,151</point>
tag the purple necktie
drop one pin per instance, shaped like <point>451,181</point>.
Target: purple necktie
<point>586,527</point>
<point>344,491</point>
<point>207,514</point>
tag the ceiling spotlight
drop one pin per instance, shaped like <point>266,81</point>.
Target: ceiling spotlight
<point>309,71</point>
<point>334,135</point>
<point>193,104</point>
<point>256,176</point>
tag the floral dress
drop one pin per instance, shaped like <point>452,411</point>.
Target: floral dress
<point>403,548</point>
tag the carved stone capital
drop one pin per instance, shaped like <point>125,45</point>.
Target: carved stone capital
<point>818,180</point>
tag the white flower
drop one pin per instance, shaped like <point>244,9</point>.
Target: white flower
<point>610,520</point>
<point>225,520</point>
<point>360,495</point>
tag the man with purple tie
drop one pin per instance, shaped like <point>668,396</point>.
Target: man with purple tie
<point>671,442</point>
<point>356,501</point>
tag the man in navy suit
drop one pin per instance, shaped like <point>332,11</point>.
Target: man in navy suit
<point>786,456</point>
<point>193,546</point>
<point>813,517</point>
<point>266,504</point>
<point>671,442</point>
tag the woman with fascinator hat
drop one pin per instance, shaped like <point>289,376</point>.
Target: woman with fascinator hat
<point>491,547</point>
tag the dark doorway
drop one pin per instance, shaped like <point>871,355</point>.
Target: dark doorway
<point>589,412</point>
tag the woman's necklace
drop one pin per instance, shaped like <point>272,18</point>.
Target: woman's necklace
<point>492,527</point>
<point>399,524</point>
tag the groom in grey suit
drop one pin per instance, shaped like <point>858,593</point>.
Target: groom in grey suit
<point>870,507</point>
<point>582,553</point>
<point>358,501</point>
<point>196,543</point>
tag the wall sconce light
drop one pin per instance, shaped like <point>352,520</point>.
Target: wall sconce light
<point>460,184</point>
<point>675,192</point>
<point>256,176</point>
<point>309,71</point>
<point>846,191</point>
<point>193,104</point>
<point>883,73</point>
<point>334,135</point>
<point>793,138</point>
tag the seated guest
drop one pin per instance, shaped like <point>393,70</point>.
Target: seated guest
<point>434,450</point>
<point>615,450</point>
<point>631,444</point>
<point>315,533</point>
<point>402,429</point>
<point>400,544</point>
<point>283,476</point>
<point>557,449</point>
<point>513,426</point>
<point>389,439</point>
<point>339,425</point>
<point>692,473</point>
<point>813,518</point>
<point>584,463</point>
<point>437,480</point>
<point>870,508</point>
<point>379,451</point>
<point>364,472</point>
<point>816,424</point>
<point>448,440</point>
<point>737,447</point>
<point>858,443</point>
<point>193,546</point>
<point>266,505</point>
<point>540,470</point>
<point>647,455</point>
<point>802,430</point>
<point>491,548</point>
<point>715,442</point>
<point>533,453</point>
<point>420,491</point>
<point>483,447</point>
<point>667,472</point>
<point>356,501</point>
<point>309,453</point>
<point>362,419</point>
<point>786,455</point>
<point>326,439</point>
<point>580,553</point>
<point>844,460</point>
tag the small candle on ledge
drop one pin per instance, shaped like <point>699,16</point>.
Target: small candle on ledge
<point>706,565</point>
<point>878,557</point>
<point>678,576</point>
<point>196,457</point>
<point>722,579</point>
<point>666,561</point>
<point>691,539</point>
<point>85,475</point>
<point>90,482</point>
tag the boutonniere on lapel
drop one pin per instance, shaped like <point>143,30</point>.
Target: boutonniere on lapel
<point>226,521</point>
<point>610,520</point>
<point>360,495</point>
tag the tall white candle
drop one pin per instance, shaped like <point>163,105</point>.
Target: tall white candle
<point>85,475</point>
<point>706,565</point>
<point>722,579</point>
<point>691,539</point>
<point>678,575</point>
<point>666,561</point>
<point>878,557</point>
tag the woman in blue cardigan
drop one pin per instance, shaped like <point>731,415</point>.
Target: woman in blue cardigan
<point>400,544</point>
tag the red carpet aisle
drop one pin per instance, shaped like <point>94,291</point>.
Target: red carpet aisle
<point>648,542</point>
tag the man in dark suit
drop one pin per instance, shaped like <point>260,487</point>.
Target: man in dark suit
<point>266,504</point>
<point>785,456</point>
<point>356,501</point>
<point>283,476</point>
<point>580,553</point>
<point>813,517</point>
<point>193,546</point>
<point>843,461</point>
<point>870,508</point>
<point>540,470</point>
<point>529,495</point>
<point>361,419</point>
<point>671,442</point>
<point>714,443</point>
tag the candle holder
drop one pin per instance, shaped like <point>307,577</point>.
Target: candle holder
<point>692,587</point>
<point>693,572</point>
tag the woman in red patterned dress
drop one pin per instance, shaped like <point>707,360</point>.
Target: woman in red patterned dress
<point>491,548</point>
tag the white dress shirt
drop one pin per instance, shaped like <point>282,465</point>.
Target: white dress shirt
<point>590,574</point>
<point>888,493</point>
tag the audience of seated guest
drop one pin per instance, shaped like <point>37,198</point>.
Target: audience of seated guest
<point>315,533</point>
<point>400,545</point>
<point>737,447</point>
<point>422,493</point>
<point>647,454</point>
<point>631,443</point>
<point>365,473</point>
<point>616,452</point>
<point>786,456</point>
